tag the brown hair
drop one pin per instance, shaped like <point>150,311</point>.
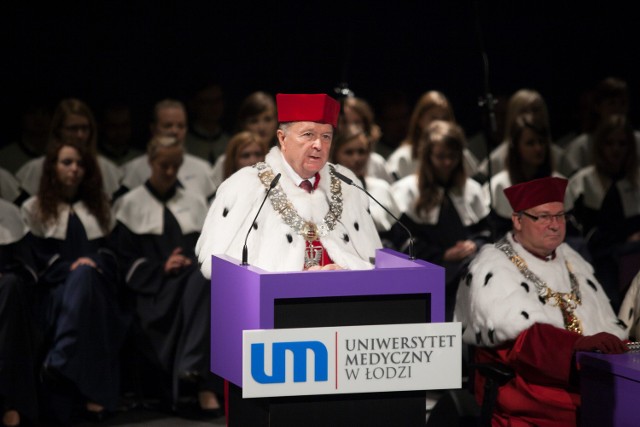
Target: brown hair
<point>343,136</point>
<point>70,106</point>
<point>90,190</point>
<point>449,134</point>
<point>610,125</point>
<point>514,161</point>
<point>427,101</point>
<point>238,142</point>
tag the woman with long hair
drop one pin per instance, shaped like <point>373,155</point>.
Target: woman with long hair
<point>432,105</point>
<point>257,114</point>
<point>73,121</point>
<point>76,303</point>
<point>351,148</point>
<point>244,149</point>
<point>446,210</point>
<point>605,197</point>
<point>529,156</point>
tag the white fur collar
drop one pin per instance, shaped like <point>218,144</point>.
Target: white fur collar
<point>142,213</point>
<point>58,229</point>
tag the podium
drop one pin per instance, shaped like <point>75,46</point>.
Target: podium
<point>398,290</point>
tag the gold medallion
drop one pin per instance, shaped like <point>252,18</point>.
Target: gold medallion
<point>310,231</point>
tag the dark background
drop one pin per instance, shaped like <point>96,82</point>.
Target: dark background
<point>143,52</point>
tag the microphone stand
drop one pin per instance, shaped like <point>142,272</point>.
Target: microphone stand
<point>245,251</point>
<point>349,181</point>
<point>487,103</point>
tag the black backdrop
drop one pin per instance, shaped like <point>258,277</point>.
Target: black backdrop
<point>99,51</point>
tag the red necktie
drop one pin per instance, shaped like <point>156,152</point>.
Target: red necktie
<point>306,186</point>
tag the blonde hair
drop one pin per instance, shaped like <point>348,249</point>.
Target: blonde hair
<point>161,141</point>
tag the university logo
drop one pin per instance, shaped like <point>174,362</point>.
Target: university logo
<point>300,351</point>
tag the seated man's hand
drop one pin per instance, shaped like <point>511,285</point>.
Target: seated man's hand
<point>603,342</point>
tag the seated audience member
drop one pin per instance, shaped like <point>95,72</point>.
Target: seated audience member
<point>170,119</point>
<point>529,156</point>
<point>609,97</point>
<point>524,101</point>
<point>115,140</point>
<point>432,105</point>
<point>356,111</point>
<point>244,149</point>
<point>206,137</point>
<point>9,187</point>
<point>446,211</point>
<point>490,136</point>
<point>606,201</point>
<point>324,224</point>
<point>158,225</point>
<point>72,120</point>
<point>257,114</point>
<point>70,221</point>
<point>351,148</point>
<point>393,111</point>
<point>531,302</point>
<point>35,124</point>
<point>18,401</point>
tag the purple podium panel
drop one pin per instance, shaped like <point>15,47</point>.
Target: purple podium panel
<point>610,389</point>
<point>244,297</point>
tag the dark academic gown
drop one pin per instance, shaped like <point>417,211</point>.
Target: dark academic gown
<point>462,216</point>
<point>78,311</point>
<point>608,217</point>
<point>172,311</point>
<point>17,334</point>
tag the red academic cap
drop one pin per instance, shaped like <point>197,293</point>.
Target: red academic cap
<point>319,108</point>
<point>536,192</point>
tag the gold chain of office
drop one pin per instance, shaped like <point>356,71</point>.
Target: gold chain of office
<point>566,301</point>
<point>281,204</point>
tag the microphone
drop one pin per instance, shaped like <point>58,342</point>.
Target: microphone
<point>350,182</point>
<point>274,182</point>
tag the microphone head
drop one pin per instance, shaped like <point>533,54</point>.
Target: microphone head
<point>342,177</point>
<point>274,181</point>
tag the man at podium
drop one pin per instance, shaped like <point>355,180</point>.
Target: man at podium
<point>311,219</point>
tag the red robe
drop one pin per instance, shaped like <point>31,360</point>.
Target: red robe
<point>544,391</point>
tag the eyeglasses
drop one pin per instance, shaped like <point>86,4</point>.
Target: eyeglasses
<point>545,219</point>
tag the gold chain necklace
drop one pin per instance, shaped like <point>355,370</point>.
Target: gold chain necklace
<point>281,204</point>
<point>567,301</point>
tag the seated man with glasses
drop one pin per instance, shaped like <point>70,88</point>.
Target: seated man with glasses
<point>531,302</point>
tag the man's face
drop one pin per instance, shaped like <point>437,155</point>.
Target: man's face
<point>536,236</point>
<point>305,146</point>
<point>170,122</point>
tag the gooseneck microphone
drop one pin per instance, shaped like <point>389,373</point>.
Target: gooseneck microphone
<point>350,182</point>
<point>274,182</point>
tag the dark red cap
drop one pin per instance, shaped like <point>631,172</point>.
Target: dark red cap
<point>536,192</point>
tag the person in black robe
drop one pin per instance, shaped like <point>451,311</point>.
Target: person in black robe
<point>18,400</point>
<point>446,212</point>
<point>606,203</point>
<point>158,224</point>
<point>76,301</point>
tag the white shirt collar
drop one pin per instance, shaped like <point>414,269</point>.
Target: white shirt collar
<point>293,175</point>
